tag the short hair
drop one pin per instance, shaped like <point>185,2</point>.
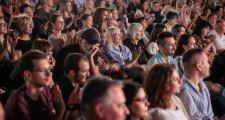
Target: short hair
<point>217,8</point>
<point>176,29</point>
<point>157,88</point>
<point>20,20</point>
<point>26,61</point>
<point>42,45</point>
<point>105,24</point>
<point>83,17</point>
<point>96,90</point>
<point>188,56</point>
<point>139,20</point>
<point>171,15</point>
<point>108,36</point>
<point>193,7</point>
<point>154,2</point>
<point>165,9</point>
<point>162,36</point>
<point>133,29</point>
<point>210,15</point>
<point>22,7</point>
<point>72,62</point>
<point>217,23</point>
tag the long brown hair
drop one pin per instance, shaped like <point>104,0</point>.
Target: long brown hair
<point>157,84</point>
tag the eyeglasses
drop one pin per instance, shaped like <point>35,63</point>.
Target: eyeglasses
<point>3,24</point>
<point>142,100</point>
<point>45,70</point>
<point>118,34</point>
<point>30,25</point>
<point>61,22</point>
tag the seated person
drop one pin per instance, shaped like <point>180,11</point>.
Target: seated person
<point>193,92</point>
<point>155,9</point>
<point>165,105</point>
<point>172,20</point>
<point>33,100</point>
<point>123,55</point>
<point>166,44</point>
<point>76,69</point>
<point>135,32</point>
<point>45,12</point>
<point>100,100</point>
<point>136,101</point>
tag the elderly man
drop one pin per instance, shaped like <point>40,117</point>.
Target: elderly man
<point>194,93</point>
<point>100,100</point>
<point>219,30</point>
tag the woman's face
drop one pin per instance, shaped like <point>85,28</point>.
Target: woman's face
<point>116,37</point>
<point>145,6</point>
<point>182,31</point>
<point>204,31</point>
<point>104,15</point>
<point>88,22</point>
<point>188,11</point>
<point>90,5</point>
<point>191,44</point>
<point>208,12</point>
<point>59,23</point>
<point>172,21</point>
<point>110,15</point>
<point>115,14</point>
<point>111,23</point>
<point>144,23</point>
<point>103,4</point>
<point>27,27</point>
<point>3,27</point>
<point>68,7</point>
<point>176,82</point>
<point>139,34</point>
<point>139,106</point>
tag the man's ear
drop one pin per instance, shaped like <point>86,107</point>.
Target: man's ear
<point>99,110</point>
<point>160,46</point>
<point>72,73</point>
<point>27,75</point>
<point>198,66</point>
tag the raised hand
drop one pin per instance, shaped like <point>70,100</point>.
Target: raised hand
<point>74,97</point>
<point>94,51</point>
<point>137,52</point>
<point>43,28</point>
<point>57,99</point>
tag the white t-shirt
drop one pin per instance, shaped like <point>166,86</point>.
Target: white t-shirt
<point>153,48</point>
<point>174,114</point>
<point>220,41</point>
<point>168,27</point>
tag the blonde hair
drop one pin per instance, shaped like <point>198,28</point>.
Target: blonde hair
<point>108,36</point>
<point>165,9</point>
<point>20,20</point>
<point>184,10</point>
<point>177,3</point>
<point>85,2</point>
<point>62,5</point>
<point>105,24</point>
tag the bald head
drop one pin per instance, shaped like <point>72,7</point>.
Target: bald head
<point>191,57</point>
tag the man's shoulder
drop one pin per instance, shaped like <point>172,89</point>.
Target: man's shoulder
<point>71,48</point>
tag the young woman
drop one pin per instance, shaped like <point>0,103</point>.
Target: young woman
<point>143,10</point>
<point>88,7</point>
<point>200,34</point>
<point>24,25</point>
<point>172,20</point>
<point>178,30</point>
<point>152,46</point>
<point>187,22</point>
<point>136,101</point>
<point>8,8</point>
<point>162,92</point>
<point>58,39</point>
<point>85,22</point>
<point>184,43</point>
<point>65,9</point>
<point>205,13</point>
<point>98,17</point>
<point>179,6</point>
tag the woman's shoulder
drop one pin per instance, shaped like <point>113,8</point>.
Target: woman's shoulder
<point>159,114</point>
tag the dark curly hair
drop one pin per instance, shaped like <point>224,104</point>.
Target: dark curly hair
<point>157,85</point>
<point>198,28</point>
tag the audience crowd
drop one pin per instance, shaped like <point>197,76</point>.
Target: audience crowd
<point>112,59</point>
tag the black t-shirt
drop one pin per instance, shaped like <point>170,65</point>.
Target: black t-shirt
<point>24,45</point>
<point>142,58</point>
<point>61,56</point>
<point>66,88</point>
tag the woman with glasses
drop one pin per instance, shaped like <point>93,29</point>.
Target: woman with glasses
<point>58,39</point>
<point>24,26</point>
<point>122,54</point>
<point>162,92</point>
<point>136,101</point>
<point>135,31</point>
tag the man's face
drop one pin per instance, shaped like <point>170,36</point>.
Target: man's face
<point>204,65</point>
<point>155,7</point>
<point>49,2</point>
<point>169,48</point>
<point>28,11</point>
<point>41,75</point>
<point>88,48</point>
<point>83,73</point>
<point>213,19</point>
<point>222,27</point>
<point>116,110</point>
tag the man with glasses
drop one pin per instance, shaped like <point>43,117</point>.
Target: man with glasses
<point>33,101</point>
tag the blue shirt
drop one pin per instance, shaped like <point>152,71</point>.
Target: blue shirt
<point>125,52</point>
<point>197,104</point>
<point>157,58</point>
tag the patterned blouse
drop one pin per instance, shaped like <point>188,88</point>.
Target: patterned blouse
<point>201,43</point>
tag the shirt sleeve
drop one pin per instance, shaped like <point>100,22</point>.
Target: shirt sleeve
<point>219,44</point>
